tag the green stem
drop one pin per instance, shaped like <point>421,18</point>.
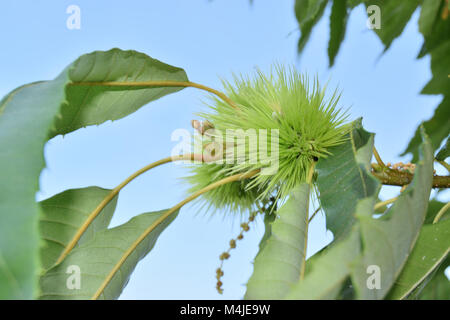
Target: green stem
<point>444,164</point>
<point>111,196</point>
<point>441,213</point>
<point>147,84</point>
<point>378,158</point>
<point>384,203</point>
<point>314,214</point>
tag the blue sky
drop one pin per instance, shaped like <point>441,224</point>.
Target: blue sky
<point>209,39</point>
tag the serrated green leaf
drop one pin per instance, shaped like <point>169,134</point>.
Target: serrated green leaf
<point>431,248</point>
<point>308,13</point>
<point>394,17</point>
<point>436,31</point>
<point>33,113</point>
<point>328,271</point>
<point>439,33</point>
<point>93,105</point>
<point>97,257</point>
<point>437,128</point>
<point>444,153</point>
<point>440,66</point>
<point>387,243</point>
<point>343,178</point>
<point>63,215</point>
<point>278,264</point>
<point>429,12</point>
<point>338,25</point>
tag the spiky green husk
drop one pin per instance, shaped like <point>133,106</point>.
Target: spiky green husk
<point>309,125</point>
<point>232,197</point>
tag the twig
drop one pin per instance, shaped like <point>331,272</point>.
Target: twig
<point>395,177</point>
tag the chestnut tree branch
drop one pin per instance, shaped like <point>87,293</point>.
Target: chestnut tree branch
<point>396,177</point>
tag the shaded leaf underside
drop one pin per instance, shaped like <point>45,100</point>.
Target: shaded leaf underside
<point>279,263</point>
<point>97,257</point>
<point>388,242</point>
<point>343,179</point>
<point>64,214</point>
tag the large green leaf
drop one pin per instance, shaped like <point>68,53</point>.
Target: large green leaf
<point>395,14</point>
<point>338,24</point>
<point>89,105</point>
<point>27,115</point>
<point>437,128</point>
<point>280,260</point>
<point>96,258</point>
<point>64,214</point>
<point>308,13</point>
<point>343,178</point>
<point>388,242</point>
<point>329,270</point>
<point>432,247</point>
<point>30,115</point>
